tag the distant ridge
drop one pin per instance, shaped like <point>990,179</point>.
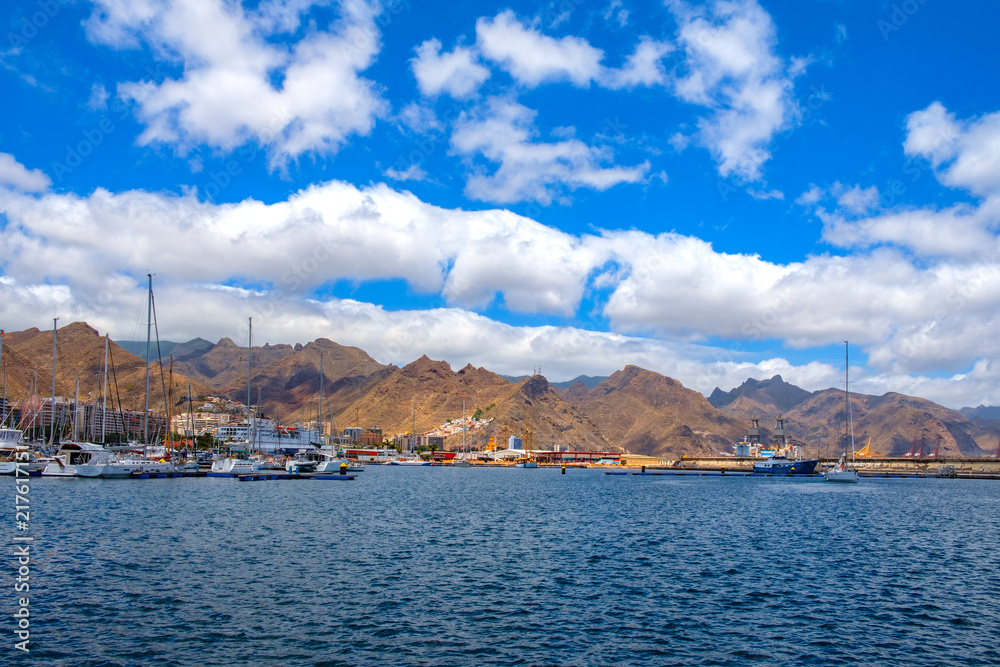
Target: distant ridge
<point>982,412</point>
<point>589,381</point>
<point>774,392</point>
<point>138,348</point>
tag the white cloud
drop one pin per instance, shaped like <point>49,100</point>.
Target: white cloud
<point>811,196</point>
<point>412,173</point>
<point>764,195</point>
<point>966,153</point>
<point>643,68</point>
<point>98,97</point>
<point>421,119</point>
<point>16,175</point>
<point>857,200</point>
<point>503,132</point>
<point>228,92</point>
<point>533,58</point>
<point>456,73</point>
<point>960,231</point>
<point>732,69</point>
<point>911,316</point>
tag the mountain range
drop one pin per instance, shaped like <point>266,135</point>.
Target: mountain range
<point>634,409</point>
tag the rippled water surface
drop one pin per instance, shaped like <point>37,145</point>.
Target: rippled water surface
<point>443,566</point>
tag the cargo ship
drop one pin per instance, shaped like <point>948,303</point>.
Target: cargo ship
<point>777,458</point>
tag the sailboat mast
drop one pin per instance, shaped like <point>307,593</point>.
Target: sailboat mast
<point>463,426</point>
<point>76,408</point>
<point>320,415</point>
<point>104,396</point>
<point>149,329</point>
<point>170,405</point>
<point>194,442</point>
<point>250,424</point>
<point>3,416</point>
<point>847,394</point>
<point>52,412</point>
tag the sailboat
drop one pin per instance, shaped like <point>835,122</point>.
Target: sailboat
<point>128,464</point>
<point>231,466</point>
<point>463,458</point>
<point>844,470</point>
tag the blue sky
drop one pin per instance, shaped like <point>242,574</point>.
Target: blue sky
<point>714,191</point>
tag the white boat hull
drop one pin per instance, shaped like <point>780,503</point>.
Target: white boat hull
<point>230,467</point>
<point>848,476</point>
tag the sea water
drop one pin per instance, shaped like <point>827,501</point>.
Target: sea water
<point>441,566</point>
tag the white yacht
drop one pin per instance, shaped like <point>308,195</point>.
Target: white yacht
<point>14,451</point>
<point>331,462</point>
<point>72,455</point>
<point>122,467</point>
<point>301,463</point>
<point>228,467</point>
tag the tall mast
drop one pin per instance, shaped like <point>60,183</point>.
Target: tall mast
<point>847,394</point>
<point>463,425</point>
<point>34,404</point>
<point>413,440</point>
<point>76,408</point>
<point>149,330</point>
<point>52,412</point>
<point>104,396</point>
<point>194,442</point>
<point>3,416</point>
<point>250,423</point>
<point>320,415</point>
<point>170,405</point>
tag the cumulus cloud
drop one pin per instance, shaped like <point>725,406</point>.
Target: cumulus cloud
<point>13,174</point>
<point>732,69</point>
<point>237,85</point>
<point>961,231</point>
<point>665,295</point>
<point>965,153</point>
<point>644,67</point>
<point>503,133</point>
<point>456,73</point>
<point>533,58</point>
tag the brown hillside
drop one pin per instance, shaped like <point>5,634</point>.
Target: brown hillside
<point>289,384</point>
<point>647,413</point>
<point>80,353</point>
<point>891,421</point>
<point>434,392</point>
<point>226,363</point>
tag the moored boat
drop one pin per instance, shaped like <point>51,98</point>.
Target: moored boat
<point>781,465</point>
<point>71,455</point>
<point>13,451</point>
<point>844,470</point>
<point>231,466</point>
<point>780,458</point>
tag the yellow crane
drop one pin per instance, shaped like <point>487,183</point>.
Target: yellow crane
<point>866,451</point>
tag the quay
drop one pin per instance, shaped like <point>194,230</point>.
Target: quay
<point>882,467</point>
